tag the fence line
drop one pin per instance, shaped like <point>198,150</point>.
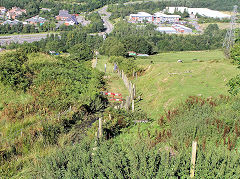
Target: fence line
<point>131,89</point>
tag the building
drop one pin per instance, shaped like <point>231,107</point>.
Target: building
<point>181,28</point>
<point>141,17</point>
<point>15,12</point>
<point>63,15</point>
<point>174,29</point>
<point>157,18</point>
<point>167,30</point>
<point>68,18</point>
<point>201,11</point>
<point>163,18</point>
<point>11,23</point>
<point>36,20</point>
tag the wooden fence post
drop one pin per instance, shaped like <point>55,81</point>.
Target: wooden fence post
<point>132,105</point>
<point>100,132</point>
<point>127,103</point>
<point>193,160</point>
<point>134,91</point>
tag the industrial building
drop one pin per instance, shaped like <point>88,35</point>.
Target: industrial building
<point>157,18</point>
<point>163,18</point>
<point>167,30</point>
<point>174,29</point>
<point>141,17</point>
<point>201,11</point>
<point>182,28</point>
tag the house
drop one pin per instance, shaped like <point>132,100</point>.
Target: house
<point>68,18</point>
<point>11,23</point>
<point>15,12</point>
<point>36,20</point>
<point>141,17</point>
<point>163,18</point>
<point>63,15</point>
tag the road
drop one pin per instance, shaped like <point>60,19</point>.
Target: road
<point>22,38</point>
<point>105,17</point>
<point>37,37</point>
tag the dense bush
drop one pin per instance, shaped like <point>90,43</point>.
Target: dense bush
<point>14,72</point>
<point>111,160</point>
<point>234,83</point>
<point>66,83</point>
<point>119,120</point>
<point>81,52</point>
<point>128,65</point>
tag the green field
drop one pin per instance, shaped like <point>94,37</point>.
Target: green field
<point>166,83</point>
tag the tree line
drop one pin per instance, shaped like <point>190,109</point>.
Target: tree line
<point>144,39</point>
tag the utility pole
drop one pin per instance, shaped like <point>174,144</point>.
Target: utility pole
<point>230,36</point>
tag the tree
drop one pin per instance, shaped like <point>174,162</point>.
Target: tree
<point>53,46</point>
<point>117,50</point>
<point>14,72</point>
<point>80,52</point>
<point>234,83</point>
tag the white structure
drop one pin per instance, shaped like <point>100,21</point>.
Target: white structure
<point>141,17</point>
<point>201,11</point>
<point>162,18</point>
<point>167,30</point>
<point>156,18</point>
<point>176,28</point>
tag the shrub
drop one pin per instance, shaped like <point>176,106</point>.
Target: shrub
<point>14,72</point>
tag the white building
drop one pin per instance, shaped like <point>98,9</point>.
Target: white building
<point>167,30</point>
<point>163,18</point>
<point>156,18</point>
<point>201,11</point>
<point>141,17</point>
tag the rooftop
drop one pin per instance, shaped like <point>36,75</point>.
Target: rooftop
<point>36,19</point>
<point>143,14</point>
<point>201,11</point>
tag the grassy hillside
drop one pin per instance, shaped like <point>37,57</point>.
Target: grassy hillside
<point>166,83</point>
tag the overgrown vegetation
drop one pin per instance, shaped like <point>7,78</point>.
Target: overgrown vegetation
<point>50,105</point>
<point>165,153</point>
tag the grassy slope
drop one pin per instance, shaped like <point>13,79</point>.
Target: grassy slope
<point>10,130</point>
<point>167,83</point>
<point>162,91</point>
<point>220,25</point>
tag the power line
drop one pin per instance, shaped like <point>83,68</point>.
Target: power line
<point>230,36</point>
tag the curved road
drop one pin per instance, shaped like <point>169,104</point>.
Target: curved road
<point>105,17</point>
